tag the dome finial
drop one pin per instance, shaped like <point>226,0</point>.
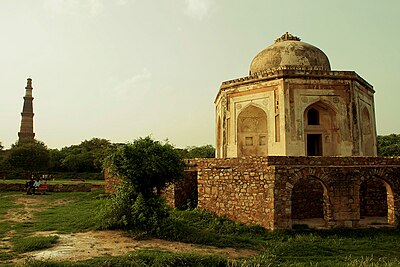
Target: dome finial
<point>287,37</point>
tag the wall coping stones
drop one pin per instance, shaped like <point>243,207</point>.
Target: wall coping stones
<point>227,163</point>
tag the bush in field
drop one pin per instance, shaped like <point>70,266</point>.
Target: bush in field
<point>145,166</point>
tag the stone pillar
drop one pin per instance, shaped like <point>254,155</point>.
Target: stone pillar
<point>26,130</point>
<point>345,201</point>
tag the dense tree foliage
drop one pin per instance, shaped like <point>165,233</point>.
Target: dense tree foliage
<point>88,156</point>
<point>389,145</point>
<point>145,166</point>
<point>30,156</point>
<point>5,167</point>
<point>190,152</point>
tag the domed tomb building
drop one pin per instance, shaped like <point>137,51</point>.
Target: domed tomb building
<point>290,107</point>
<point>293,104</point>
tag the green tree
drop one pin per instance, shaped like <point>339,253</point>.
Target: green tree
<point>88,156</point>
<point>1,146</point>
<point>145,167</point>
<point>206,151</point>
<point>98,149</point>
<point>388,145</point>
<point>56,157</point>
<point>29,156</point>
<point>5,167</point>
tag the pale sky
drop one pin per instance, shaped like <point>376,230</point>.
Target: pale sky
<point>124,69</point>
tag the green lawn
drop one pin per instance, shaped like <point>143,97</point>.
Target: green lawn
<point>76,212</point>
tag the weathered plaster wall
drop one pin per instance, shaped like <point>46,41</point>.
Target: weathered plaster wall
<point>284,95</point>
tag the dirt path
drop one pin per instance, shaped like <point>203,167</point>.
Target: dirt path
<point>26,205</point>
<point>81,246</point>
<point>24,211</point>
<point>86,245</point>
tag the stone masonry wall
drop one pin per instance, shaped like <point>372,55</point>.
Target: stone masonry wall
<point>262,190</point>
<point>239,189</point>
<point>341,190</point>
<point>373,198</point>
<point>259,190</point>
<point>111,182</point>
<point>307,199</point>
<point>183,193</point>
<point>80,187</point>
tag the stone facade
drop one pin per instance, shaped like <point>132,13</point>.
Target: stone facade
<point>277,191</point>
<point>293,104</point>
<point>271,191</point>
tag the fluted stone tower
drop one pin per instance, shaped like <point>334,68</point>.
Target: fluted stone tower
<point>26,130</point>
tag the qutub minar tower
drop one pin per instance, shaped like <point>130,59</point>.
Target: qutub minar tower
<point>26,130</point>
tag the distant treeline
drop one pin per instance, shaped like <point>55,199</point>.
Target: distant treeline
<point>389,145</point>
<point>33,157</point>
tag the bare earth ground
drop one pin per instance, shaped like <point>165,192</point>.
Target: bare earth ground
<point>86,245</point>
<point>81,246</point>
<point>367,222</point>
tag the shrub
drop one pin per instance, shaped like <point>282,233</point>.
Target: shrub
<point>145,167</point>
<point>126,210</point>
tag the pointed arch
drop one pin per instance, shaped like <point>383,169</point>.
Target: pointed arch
<point>376,201</point>
<point>218,139</point>
<point>252,135</point>
<point>310,202</point>
<point>312,116</point>
<point>366,131</point>
<point>319,130</point>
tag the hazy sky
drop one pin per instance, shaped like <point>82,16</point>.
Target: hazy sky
<point>124,69</point>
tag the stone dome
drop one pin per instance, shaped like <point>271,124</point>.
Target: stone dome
<point>288,50</point>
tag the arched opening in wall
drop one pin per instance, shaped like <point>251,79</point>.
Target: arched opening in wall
<point>219,138</point>
<point>309,203</point>
<point>313,116</point>
<point>376,203</point>
<point>319,130</point>
<point>252,135</point>
<point>367,137</point>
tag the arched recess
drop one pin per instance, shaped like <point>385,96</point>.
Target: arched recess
<point>252,132</point>
<point>367,136</point>
<point>219,139</point>
<point>310,202</point>
<point>376,202</point>
<point>319,130</point>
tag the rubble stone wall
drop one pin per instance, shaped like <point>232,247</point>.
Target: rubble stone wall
<point>307,199</point>
<point>266,190</point>
<point>260,190</point>
<point>80,187</point>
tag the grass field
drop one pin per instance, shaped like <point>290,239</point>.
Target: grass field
<point>64,213</point>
